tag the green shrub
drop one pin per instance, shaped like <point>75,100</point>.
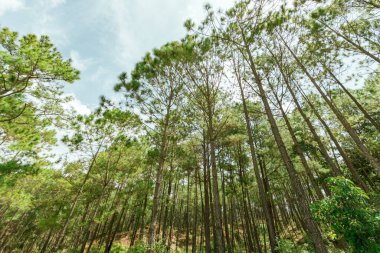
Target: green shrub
<point>118,248</point>
<point>351,215</point>
<point>287,246</point>
<point>139,247</point>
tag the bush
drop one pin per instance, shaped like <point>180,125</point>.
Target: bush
<point>141,247</point>
<point>118,248</point>
<point>351,215</point>
<point>287,246</point>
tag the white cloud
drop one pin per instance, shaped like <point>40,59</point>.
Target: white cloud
<point>76,105</point>
<point>57,33</point>
<point>196,11</point>
<point>79,62</point>
<point>51,3</point>
<point>105,37</point>
<point>55,3</point>
<point>117,21</point>
<point>10,5</point>
<point>38,17</point>
<point>139,25</point>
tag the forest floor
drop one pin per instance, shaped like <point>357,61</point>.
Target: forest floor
<point>125,240</point>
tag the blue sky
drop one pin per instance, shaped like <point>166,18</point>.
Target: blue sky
<point>103,37</point>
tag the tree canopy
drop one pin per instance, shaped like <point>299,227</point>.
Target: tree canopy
<point>258,131</point>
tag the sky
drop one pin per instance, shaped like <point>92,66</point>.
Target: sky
<point>103,37</point>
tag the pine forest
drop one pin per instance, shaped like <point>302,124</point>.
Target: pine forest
<point>257,131</point>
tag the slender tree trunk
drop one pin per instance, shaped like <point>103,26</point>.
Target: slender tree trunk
<point>142,225</point>
<point>217,207</point>
<point>172,214</point>
<point>157,188</point>
<point>164,226</point>
<point>336,171</point>
<point>206,213</point>
<point>360,107</point>
<point>108,241</point>
<point>352,43</point>
<point>117,227</point>
<point>92,238</point>
<point>263,195</point>
<point>298,149</point>
<point>346,159</point>
<point>312,228</point>
<point>225,217</point>
<point>187,213</point>
<point>47,240</point>
<point>338,114</point>
<point>62,234</point>
<point>195,220</point>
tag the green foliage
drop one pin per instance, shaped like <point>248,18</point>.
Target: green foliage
<point>351,215</point>
<point>287,246</point>
<point>32,73</point>
<point>116,248</point>
<point>160,247</point>
<point>11,170</point>
<point>188,96</point>
<point>141,247</point>
<point>137,248</point>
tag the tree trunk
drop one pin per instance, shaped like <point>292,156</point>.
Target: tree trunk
<point>263,195</point>
<point>312,228</point>
<point>206,213</point>
<point>157,188</point>
<point>338,114</point>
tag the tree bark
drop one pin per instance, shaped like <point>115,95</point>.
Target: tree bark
<point>312,228</point>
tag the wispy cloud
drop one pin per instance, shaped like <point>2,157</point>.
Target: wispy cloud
<point>10,5</point>
<point>103,37</point>
<point>76,105</point>
<point>51,3</point>
<point>139,25</point>
<point>55,3</point>
<point>115,19</point>
<point>79,62</point>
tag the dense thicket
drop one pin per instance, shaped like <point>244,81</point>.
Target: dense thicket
<point>259,131</point>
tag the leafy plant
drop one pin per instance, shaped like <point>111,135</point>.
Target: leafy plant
<point>137,248</point>
<point>141,247</point>
<point>351,214</point>
<point>287,246</point>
